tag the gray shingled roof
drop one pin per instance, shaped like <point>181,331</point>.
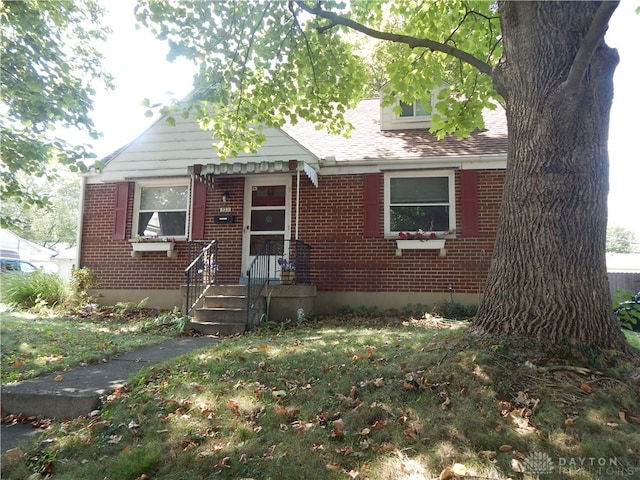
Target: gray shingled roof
<point>368,142</point>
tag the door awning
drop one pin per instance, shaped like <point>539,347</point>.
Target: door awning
<point>207,173</point>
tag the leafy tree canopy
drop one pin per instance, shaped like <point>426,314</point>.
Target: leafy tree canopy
<point>621,240</point>
<point>49,69</point>
<point>57,223</point>
<point>271,62</point>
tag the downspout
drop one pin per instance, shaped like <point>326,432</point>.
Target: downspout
<point>83,186</point>
<point>297,202</point>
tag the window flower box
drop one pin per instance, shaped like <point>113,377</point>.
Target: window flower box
<point>421,241</point>
<point>436,244</point>
<point>137,247</point>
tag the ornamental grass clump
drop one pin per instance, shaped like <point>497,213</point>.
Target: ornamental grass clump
<point>35,289</point>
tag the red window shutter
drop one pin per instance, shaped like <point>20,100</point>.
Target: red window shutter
<point>198,210</point>
<point>469,190</point>
<point>371,205</point>
<point>120,211</point>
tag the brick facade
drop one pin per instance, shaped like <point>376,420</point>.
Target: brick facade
<point>331,221</point>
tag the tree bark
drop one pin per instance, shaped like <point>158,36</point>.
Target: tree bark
<point>548,278</point>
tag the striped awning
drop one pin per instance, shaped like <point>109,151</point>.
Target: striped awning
<point>207,173</point>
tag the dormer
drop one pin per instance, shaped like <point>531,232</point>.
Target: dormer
<point>406,116</point>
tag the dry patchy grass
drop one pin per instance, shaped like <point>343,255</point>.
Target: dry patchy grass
<point>359,398</point>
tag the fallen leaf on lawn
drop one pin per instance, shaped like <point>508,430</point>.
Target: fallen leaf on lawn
<point>338,429</point>
<point>278,394</point>
<point>569,421</point>
<point>223,463</point>
<point>113,439</point>
<point>58,378</point>
<point>365,431</point>
<point>446,474</point>
<point>188,445</point>
<point>612,424</point>
<point>17,364</point>
<point>353,474</point>
<point>378,424</point>
<point>586,388</point>
<point>505,448</point>
<point>459,469</point>
<point>334,467</point>
<point>488,454</point>
<point>379,382</point>
<point>13,454</point>
<point>126,449</point>
<point>353,391</point>
<point>634,419</point>
<point>622,416</point>
<point>387,447</point>
<point>517,466</point>
<point>232,404</point>
<point>411,433</point>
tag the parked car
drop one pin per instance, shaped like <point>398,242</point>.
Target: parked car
<point>12,265</point>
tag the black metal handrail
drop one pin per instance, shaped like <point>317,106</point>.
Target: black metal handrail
<point>201,273</point>
<point>259,273</point>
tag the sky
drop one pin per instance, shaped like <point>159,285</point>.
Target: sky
<point>138,62</point>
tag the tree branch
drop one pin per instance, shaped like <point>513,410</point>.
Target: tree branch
<point>592,39</point>
<point>412,42</point>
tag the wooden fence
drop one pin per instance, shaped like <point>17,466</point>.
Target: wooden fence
<point>624,281</point>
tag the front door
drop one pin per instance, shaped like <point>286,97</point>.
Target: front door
<point>267,217</point>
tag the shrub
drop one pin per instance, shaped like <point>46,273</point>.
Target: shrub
<point>454,310</point>
<point>627,309</point>
<point>34,289</point>
<point>84,280</point>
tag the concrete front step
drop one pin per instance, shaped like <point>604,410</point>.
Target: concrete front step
<point>225,301</point>
<point>217,328</point>
<point>223,311</point>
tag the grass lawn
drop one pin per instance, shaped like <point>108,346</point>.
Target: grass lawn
<point>33,345</point>
<point>353,398</point>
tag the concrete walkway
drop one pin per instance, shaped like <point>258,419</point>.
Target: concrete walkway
<point>78,391</point>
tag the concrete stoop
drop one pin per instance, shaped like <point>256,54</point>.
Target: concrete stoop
<point>224,311</point>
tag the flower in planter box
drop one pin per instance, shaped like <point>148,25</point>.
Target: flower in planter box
<point>153,238</point>
<point>422,235</point>
<point>286,266</point>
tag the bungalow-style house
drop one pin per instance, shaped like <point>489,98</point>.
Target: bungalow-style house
<point>338,208</point>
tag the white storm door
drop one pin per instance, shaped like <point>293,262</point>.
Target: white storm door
<point>267,217</point>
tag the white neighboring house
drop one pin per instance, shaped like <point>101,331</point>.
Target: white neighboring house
<point>66,261</point>
<point>623,270</point>
<point>12,245</point>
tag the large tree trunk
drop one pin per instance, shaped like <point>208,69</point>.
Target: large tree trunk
<point>548,278</point>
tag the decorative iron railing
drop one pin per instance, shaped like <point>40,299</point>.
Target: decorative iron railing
<point>201,272</point>
<point>263,269</point>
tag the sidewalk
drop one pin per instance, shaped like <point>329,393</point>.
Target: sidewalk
<point>78,391</point>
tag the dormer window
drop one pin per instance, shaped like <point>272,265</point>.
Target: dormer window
<point>402,115</point>
<point>412,110</point>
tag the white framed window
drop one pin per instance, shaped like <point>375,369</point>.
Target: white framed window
<point>413,110</point>
<point>419,201</point>
<point>161,209</point>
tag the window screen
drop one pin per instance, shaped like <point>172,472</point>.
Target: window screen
<point>419,203</point>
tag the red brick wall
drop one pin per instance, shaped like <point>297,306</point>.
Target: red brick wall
<point>331,221</point>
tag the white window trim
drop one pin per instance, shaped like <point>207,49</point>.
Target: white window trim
<point>418,173</point>
<point>165,182</point>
